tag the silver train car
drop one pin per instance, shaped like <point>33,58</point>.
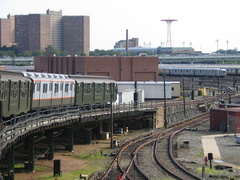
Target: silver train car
<point>232,69</point>
<point>193,71</point>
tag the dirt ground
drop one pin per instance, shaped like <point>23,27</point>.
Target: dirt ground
<point>68,162</point>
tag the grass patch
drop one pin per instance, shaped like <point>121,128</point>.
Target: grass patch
<point>213,171</point>
<point>36,167</point>
<point>40,168</point>
<point>199,155</point>
<point>95,161</point>
<point>19,165</point>
<point>72,175</point>
<point>91,156</point>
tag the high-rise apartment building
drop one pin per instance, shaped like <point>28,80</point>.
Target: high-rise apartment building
<point>12,19</point>
<point>37,31</point>
<point>56,29</point>
<point>21,32</point>
<point>32,32</point>
<point>5,34</point>
<point>76,35</point>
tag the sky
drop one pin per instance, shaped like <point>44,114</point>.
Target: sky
<point>200,23</point>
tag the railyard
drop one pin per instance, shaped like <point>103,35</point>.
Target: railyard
<point>173,111</point>
<point>191,156</point>
<point>150,115</point>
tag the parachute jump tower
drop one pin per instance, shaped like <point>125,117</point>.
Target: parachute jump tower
<point>169,41</point>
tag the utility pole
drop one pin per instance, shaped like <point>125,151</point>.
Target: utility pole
<point>165,105</point>
<point>192,96</point>
<point>111,98</point>
<point>184,103</point>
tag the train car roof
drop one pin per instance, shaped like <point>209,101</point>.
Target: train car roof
<point>12,77</point>
<point>89,80</point>
<point>89,77</point>
<point>58,77</point>
<point>9,72</point>
<point>147,82</point>
<point>193,68</point>
<point>45,75</point>
<point>224,66</point>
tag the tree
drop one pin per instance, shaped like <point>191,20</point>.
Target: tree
<point>37,53</point>
<point>64,53</point>
<point>80,53</point>
<point>26,54</point>
<point>49,50</point>
<point>11,53</point>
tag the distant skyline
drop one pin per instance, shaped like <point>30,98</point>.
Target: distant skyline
<point>201,23</point>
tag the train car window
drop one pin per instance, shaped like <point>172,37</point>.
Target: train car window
<point>87,88</point>
<point>13,91</point>
<point>33,88</point>
<point>99,88</point>
<point>108,88</point>
<point>44,88</point>
<point>2,94</point>
<point>61,86</point>
<point>56,88</point>
<point>38,86</point>
<point>66,87</point>
<point>6,90</point>
<point>71,86</point>
<point>23,94</point>
<point>2,90</point>
<point>172,88</point>
<point>50,86</point>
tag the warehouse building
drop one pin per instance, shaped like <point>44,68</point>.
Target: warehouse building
<point>118,68</point>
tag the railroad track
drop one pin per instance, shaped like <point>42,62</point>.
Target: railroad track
<point>131,161</point>
<point>164,154</point>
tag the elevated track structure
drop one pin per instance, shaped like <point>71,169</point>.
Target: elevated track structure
<point>48,123</point>
<point>216,59</point>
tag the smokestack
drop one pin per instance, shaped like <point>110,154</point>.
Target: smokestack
<point>127,41</point>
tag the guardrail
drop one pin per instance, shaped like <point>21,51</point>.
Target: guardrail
<point>21,125</point>
<point>191,59</point>
<point>17,61</point>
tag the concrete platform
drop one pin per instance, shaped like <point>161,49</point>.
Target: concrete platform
<point>210,146</point>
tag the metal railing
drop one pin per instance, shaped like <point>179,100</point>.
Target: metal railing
<point>20,125</point>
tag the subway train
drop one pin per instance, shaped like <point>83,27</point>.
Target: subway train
<point>232,69</point>
<point>193,71</point>
<point>22,92</point>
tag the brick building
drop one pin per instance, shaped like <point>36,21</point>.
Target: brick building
<point>21,32</point>
<point>12,20</point>
<point>119,68</point>
<point>37,31</point>
<point>5,32</point>
<point>122,43</point>
<point>76,35</point>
